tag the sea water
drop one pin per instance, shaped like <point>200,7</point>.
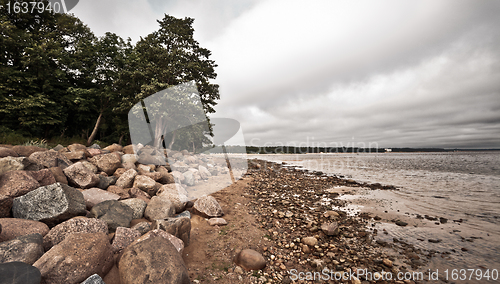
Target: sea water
<point>461,186</point>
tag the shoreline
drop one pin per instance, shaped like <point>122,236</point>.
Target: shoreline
<point>275,208</point>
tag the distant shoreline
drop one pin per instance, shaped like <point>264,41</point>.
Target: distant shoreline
<point>337,150</point>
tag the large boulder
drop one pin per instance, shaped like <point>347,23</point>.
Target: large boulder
<point>123,193</point>
<point>27,249</point>
<point>179,227</point>
<point>50,204</point>
<point>72,226</point>
<point>76,258</point>
<point>17,183</point>
<point>76,155</point>
<point>129,149</point>
<point>176,194</point>
<point>137,193</point>
<point>19,273</point>
<point>13,164</point>
<point>13,228</point>
<point>152,260</point>
<point>207,207</point>
<point>146,184</point>
<point>151,156</point>
<point>94,196</point>
<point>142,227</point>
<point>107,163</point>
<point>44,177</point>
<point>159,208</point>
<point>180,166</point>
<point>114,148</point>
<point>59,175</point>
<point>26,151</point>
<point>105,182</point>
<point>7,152</point>
<point>250,260</point>
<point>123,238</point>
<point>76,147</point>
<point>137,205</point>
<point>114,213</point>
<point>189,178</point>
<point>80,176</point>
<point>129,159</point>
<point>178,176</point>
<point>49,159</point>
<point>166,176</point>
<point>5,206</point>
<point>90,166</point>
<point>203,172</point>
<point>178,243</point>
<point>126,180</point>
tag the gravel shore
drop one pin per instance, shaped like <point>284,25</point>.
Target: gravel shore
<point>293,217</point>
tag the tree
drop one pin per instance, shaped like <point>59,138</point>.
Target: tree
<point>111,58</point>
<point>169,57</point>
<point>36,69</point>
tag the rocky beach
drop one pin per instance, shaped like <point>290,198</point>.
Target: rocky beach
<point>81,214</point>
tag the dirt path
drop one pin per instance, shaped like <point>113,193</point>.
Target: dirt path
<point>209,257</point>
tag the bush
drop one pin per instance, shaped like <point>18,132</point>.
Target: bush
<point>9,136</point>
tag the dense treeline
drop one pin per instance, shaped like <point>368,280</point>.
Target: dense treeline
<point>57,79</point>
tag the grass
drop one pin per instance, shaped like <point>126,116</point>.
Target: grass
<point>11,137</point>
<point>223,231</point>
<point>38,143</point>
<point>224,266</point>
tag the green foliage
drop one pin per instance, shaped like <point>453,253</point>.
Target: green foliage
<point>38,143</point>
<point>8,136</point>
<point>57,79</point>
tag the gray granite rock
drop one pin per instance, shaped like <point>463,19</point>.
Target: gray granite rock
<point>176,194</point>
<point>13,164</point>
<point>27,249</point>
<point>114,213</point>
<point>126,180</point>
<point>105,182</point>
<point>159,208</point>
<point>146,184</point>
<point>208,207</point>
<point>138,205</point>
<point>72,226</point>
<point>50,204</point>
<point>80,176</point>
<point>19,273</point>
<point>189,178</point>
<point>93,279</point>
<point>179,227</point>
<point>107,163</point>
<point>142,227</point>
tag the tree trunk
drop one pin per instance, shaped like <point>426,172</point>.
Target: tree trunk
<point>96,127</point>
<point>121,138</point>
<point>172,141</point>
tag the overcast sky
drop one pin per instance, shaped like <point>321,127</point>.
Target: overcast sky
<point>391,73</point>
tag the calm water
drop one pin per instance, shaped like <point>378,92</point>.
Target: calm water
<point>454,185</point>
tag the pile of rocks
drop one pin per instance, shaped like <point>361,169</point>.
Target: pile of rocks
<point>69,214</point>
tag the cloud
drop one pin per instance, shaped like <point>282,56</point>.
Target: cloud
<point>394,72</point>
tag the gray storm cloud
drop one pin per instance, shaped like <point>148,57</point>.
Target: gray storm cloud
<point>396,72</point>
